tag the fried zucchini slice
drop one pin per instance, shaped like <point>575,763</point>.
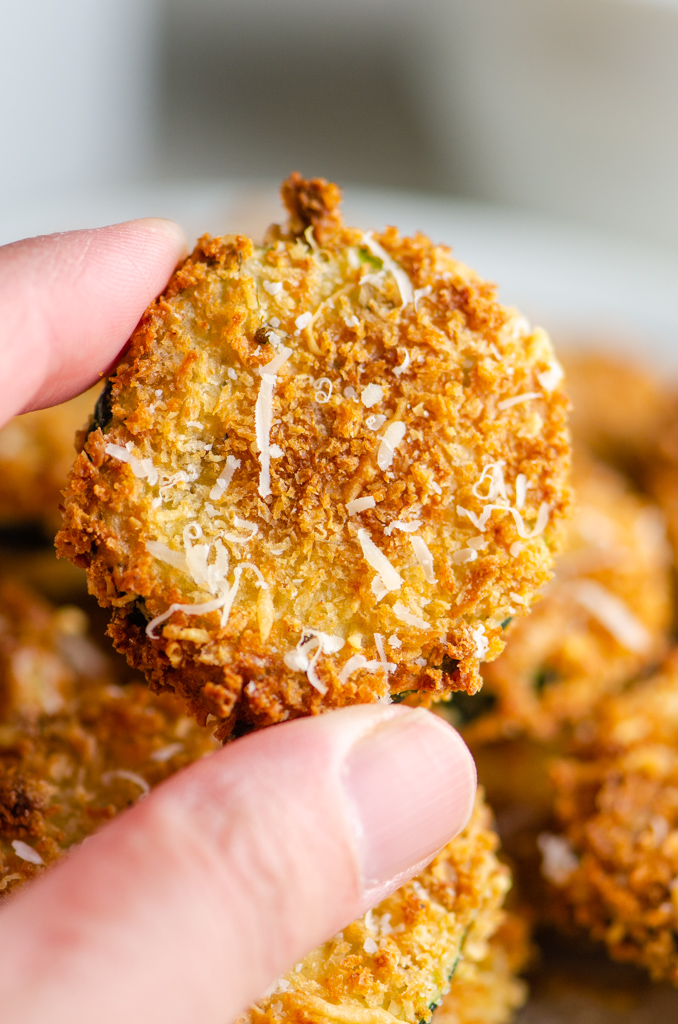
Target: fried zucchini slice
<point>612,858</point>
<point>75,747</point>
<point>325,465</point>
<point>605,618</point>
<point>399,961</point>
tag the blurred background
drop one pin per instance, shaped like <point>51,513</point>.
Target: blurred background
<point>539,137</point>
<point>568,107</point>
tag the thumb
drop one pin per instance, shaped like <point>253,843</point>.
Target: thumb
<point>188,906</point>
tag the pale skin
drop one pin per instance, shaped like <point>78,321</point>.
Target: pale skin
<point>186,907</point>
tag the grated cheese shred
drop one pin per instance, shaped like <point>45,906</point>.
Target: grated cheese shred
<point>403,613</point>
<point>360,505</point>
<point>613,614</point>
<point>507,403</point>
<point>388,574</point>
<point>391,438</point>
<point>263,417</point>
<point>224,478</point>
<point>424,557</point>
<point>402,280</point>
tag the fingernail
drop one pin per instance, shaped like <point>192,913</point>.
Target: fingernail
<point>169,229</point>
<point>411,784</point>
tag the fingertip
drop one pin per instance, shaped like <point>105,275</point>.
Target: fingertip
<point>166,230</point>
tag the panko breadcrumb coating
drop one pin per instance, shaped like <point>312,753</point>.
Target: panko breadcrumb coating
<point>612,860</point>
<point>489,991</point>
<point>324,472</point>
<point>36,455</point>
<point>604,618</point>
<point>75,749</point>
<point>398,962</point>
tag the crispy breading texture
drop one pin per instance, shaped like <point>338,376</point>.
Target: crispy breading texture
<point>397,962</point>
<point>75,749</point>
<point>604,619</point>
<point>489,991</point>
<point>36,454</point>
<point>323,466</point>
<point>613,860</point>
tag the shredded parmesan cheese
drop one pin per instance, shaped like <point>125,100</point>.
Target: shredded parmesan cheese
<point>357,661</point>
<point>273,287</point>
<point>371,394</point>
<point>163,553</point>
<point>263,417</point>
<point>528,396</point>
<point>401,278</point>
<point>480,522</point>
<point>242,524</point>
<point>403,613</point>
<point>224,478</point>
<point>395,641</point>
<point>203,608</point>
<point>123,773</point>
<point>359,505</point>
<point>481,641</point>
<point>302,321</point>
<point>493,472</point>
<point>464,555</point>
<point>398,524</point>
<point>388,574</point>
<point>398,370</point>
<point>375,422</point>
<point>612,613</point>
<point>26,852</point>
<point>424,557</point>
<point>143,469</point>
<point>559,860</point>
<point>420,293</point>
<point>391,438</point>
<point>167,753</point>
<point>551,378</point>
<point>383,660</point>
<point>320,643</point>
<point>521,490</point>
<point>323,390</point>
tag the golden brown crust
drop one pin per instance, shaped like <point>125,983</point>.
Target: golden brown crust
<point>396,962</point>
<point>75,747</point>
<point>470,396</point>
<point>312,203</point>
<point>613,860</point>
<point>604,619</point>
<point>489,991</point>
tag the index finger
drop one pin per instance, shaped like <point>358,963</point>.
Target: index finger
<point>69,302</point>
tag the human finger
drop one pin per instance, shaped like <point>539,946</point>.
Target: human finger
<point>69,302</point>
<point>189,905</point>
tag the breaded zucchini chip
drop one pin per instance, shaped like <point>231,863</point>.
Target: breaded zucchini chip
<point>75,749</point>
<point>490,991</point>
<point>604,618</point>
<point>612,861</point>
<point>398,962</point>
<point>36,455</point>
<point>323,471</point>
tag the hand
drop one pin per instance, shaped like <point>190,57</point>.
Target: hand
<point>186,907</point>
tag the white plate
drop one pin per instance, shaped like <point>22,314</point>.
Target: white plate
<point>570,279</point>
